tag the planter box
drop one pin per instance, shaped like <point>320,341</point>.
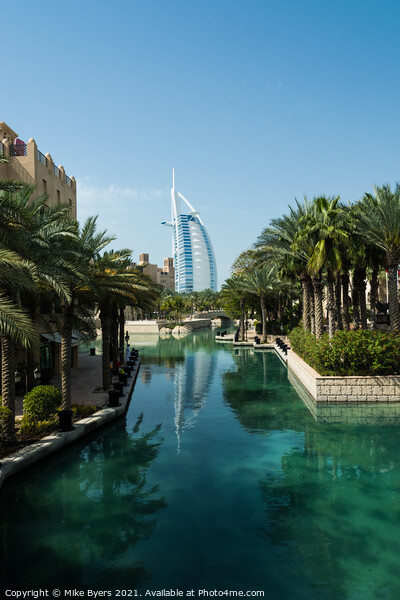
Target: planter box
<point>325,389</point>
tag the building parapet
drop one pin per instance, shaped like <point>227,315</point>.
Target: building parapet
<point>28,164</point>
<point>9,150</point>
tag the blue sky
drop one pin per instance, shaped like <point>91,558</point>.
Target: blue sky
<point>252,102</point>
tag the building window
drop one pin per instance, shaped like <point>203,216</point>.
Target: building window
<point>58,197</point>
<point>44,182</point>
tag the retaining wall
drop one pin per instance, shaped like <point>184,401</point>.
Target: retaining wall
<point>344,389</point>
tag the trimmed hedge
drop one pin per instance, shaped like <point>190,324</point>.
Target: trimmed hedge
<point>361,352</point>
<point>41,403</point>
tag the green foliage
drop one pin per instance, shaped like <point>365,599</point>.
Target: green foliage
<point>4,414</point>
<point>42,403</point>
<point>349,352</point>
<point>83,410</point>
<point>29,428</point>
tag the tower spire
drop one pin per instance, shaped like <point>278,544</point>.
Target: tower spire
<point>173,179</point>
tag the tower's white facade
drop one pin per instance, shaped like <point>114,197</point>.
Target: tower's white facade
<point>194,260</point>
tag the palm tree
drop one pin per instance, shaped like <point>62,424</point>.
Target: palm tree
<point>379,221</point>
<point>280,242</point>
<point>325,224</point>
<point>233,287</point>
<point>263,282</point>
<point>111,280</point>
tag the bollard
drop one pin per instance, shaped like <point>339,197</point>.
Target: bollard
<point>113,398</point>
<point>119,387</point>
<point>65,420</point>
<point>123,377</point>
<point>127,370</point>
<point>92,351</point>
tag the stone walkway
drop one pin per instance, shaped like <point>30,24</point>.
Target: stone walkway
<point>85,378</point>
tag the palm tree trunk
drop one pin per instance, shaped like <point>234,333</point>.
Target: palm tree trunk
<point>346,311</point>
<point>338,302</point>
<point>8,389</point>
<point>242,316</point>
<point>311,302</point>
<point>66,356</point>
<point>121,322</point>
<point>263,304</point>
<point>355,297</point>
<point>114,334</point>
<point>306,301</point>
<point>319,315</point>
<point>374,295</point>
<point>393,298</point>
<point>330,303</point>
<point>362,291</point>
<point>105,320</point>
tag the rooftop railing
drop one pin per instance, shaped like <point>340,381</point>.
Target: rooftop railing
<point>18,150</point>
<point>42,158</point>
<point>21,149</point>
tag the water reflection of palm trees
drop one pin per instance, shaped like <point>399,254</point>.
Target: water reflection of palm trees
<point>100,509</point>
<point>322,504</point>
<point>332,498</point>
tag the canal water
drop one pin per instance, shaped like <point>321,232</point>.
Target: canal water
<point>219,478</point>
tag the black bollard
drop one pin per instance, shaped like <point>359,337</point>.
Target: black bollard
<point>119,387</point>
<point>65,420</point>
<point>123,377</point>
<point>113,398</point>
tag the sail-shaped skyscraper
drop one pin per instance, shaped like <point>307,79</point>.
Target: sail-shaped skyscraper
<point>194,260</point>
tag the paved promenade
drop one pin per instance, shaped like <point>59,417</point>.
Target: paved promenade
<point>85,378</point>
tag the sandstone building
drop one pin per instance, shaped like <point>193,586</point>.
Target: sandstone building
<point>26,163</point>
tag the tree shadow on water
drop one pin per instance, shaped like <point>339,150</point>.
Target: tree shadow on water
<point>78,526</point>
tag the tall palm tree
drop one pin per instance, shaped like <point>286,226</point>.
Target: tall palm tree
<point>280,242</point>
<point>325,224</point>
<point>233,287</point>
<point>263,282</point>
<point>112,279</point>
<point>379,221</point>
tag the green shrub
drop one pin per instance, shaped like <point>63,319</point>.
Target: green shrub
<point>360,352</point>
<point>29,428</point>
<point>258,326</point>
<point>4,414</point>
<point>42,403</point>
<point>83,410</point>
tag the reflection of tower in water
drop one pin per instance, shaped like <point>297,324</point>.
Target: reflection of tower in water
<point>192,382</point>
<point>145,374</point>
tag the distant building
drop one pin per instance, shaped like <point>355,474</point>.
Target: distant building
<point>164,276</point>
<point>195,266</point>
<point>27,164</point>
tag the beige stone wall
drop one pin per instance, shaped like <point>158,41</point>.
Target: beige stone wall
<point>38,169</point>
<point>164,276</point>
<point>345,389</point>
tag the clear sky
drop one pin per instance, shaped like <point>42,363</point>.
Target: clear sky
<point>253,102</point>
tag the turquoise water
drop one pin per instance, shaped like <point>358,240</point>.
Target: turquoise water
<point>218,478</point>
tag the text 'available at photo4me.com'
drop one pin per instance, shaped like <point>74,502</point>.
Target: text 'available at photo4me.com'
<point>126,593</point>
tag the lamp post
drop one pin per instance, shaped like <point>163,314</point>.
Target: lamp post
<point>126,340</point>
<point>24,369</point>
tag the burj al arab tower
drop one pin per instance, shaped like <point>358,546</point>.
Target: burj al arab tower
<point>194,260</point>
